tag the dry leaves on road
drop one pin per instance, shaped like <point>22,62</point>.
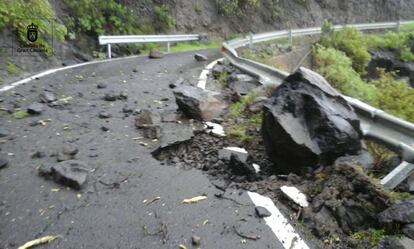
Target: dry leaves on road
<point>194,199</point>
<point>38,241</point>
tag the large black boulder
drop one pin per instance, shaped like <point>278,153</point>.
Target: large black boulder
<point>402,213</point>
<point>307,123</point>
<point>390,61</point>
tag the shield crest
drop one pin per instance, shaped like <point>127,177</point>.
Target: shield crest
<point>32,32</point>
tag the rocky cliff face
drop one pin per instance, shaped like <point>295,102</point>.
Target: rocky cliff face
<point>207,16</point>
<point>203,15</point>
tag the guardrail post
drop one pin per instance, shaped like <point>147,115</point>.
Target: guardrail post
<point>290,38</point>
<point>397,176</point>
<point>398,25</point>
<point>108,51</point>
<point>250,40</point>
<point>168,47</point>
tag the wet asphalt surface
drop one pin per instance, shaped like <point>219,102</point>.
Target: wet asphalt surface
<point>114,209</point>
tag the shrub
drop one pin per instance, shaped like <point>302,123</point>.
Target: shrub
<point>164,21</point>
<point>18,14</point>
<point>386,93</point>
<point>336,67</point>
<point>394,96</point>
<point>352,43</point>
<point>398,41</point>
<point>96,17</point>
<point>236,7</point>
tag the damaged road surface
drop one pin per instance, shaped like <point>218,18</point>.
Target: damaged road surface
<point>125,198</point>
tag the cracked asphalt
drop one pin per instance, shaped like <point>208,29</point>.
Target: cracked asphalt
<point>118,207</point>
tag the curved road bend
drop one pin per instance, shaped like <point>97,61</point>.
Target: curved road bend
<point>100,216</point>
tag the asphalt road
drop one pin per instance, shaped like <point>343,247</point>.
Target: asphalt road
<point>100,216</point>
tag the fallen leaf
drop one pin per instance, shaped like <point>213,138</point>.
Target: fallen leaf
<point>195,199</point>
<point>38,241</point>
<point>183,247</point>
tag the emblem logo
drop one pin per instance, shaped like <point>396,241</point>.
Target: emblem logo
<point>32,32</point>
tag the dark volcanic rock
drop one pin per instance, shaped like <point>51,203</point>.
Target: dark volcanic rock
<point>104,115</point>
<point>4,132</point>
<point>408,230</point>
<point>111,96</point>
<point>241,167</point>
<point>262,212</point>
<point>3,163</point>
<point>348,196</point>
<point>195,240</point>
<point>155,54</point>
<point>307,123</point>
<point>402,212</point>
<point>35,108</point>
<point>71,173</point>
<point>197,103</point>
<point>39,154</point>
<point>101,86</point>
<point>151,131</point>
<point>47,97</point>
<point>200,57</point>
<point>391,62</point>
<point>389,242</point>
<point>68,153</point>
<point>143,119</point>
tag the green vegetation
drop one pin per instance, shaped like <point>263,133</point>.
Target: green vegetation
<point>394,96</point>
<point>19,14</point>
<point>222,78</point>
<point>337,68</point>
<point>398,196</point>
<point>11,68</point>
<point>97,17</point>
<point>371,235</point>
<point>352,43</point>
<point>164,21</point>
<point>252,120</point>
<point>236,7</point>
<point>340,56</point>
<point>194,45</point>
<point>21,114</point>
<point>401,42</point>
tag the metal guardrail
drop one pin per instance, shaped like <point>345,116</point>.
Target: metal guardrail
<point>120,39</point>
<point>393,132</point>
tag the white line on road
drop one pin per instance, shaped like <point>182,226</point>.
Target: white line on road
<point>278,223</point>
<point>202,81</point>
<point>50,71</point>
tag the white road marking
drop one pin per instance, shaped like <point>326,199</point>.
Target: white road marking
<point>256,167</point>
<point>295,195</point>
<point>278,223</point>
<point>215,128</point>
<point>280,226</point>
<point>51,71</point>
<point>202,80</point>
<point>237,149</point>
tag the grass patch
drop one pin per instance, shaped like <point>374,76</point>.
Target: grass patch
<point>12,68</point>
<point>398,196</point>
<point>252,120</point>
<point>371,235</point>
<point>239,131</point>
<point>20,114</point>
<point>194,45</point>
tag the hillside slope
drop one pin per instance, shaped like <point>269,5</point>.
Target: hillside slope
<point>219,19</point>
